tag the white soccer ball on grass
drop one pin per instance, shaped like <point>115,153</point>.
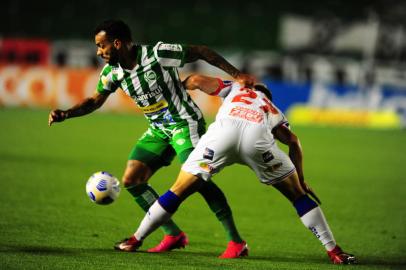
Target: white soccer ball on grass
<point>102,188</point>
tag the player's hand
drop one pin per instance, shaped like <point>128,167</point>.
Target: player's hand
<point>245,79</point>
<point>56,116</point>
<point>310,191</point>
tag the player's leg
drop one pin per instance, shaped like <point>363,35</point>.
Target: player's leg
<point>313,218</point>
<point>149,154</point>
<point>162,209</point>
<point>210,152</point>
<point>217,202</point>
<point>211,193</point>
<point>273,166</point>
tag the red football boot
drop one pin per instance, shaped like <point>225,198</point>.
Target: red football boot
<point>235,250</point>
<point>338,256</point>
<point>171,242</point>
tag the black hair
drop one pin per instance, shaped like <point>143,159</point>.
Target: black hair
<point>262,88</point>
<point>115,29</point>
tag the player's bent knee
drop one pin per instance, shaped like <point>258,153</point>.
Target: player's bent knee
<point>291,188</point>
<point>186,184</point>
<point>136,173</point>
<point>129,181</point>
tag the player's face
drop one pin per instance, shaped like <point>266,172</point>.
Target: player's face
<point>105,48</point>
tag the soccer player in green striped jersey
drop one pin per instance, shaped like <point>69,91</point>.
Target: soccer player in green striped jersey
<point>148,74</point>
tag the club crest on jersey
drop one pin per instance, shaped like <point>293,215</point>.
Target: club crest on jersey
<point>180,141</point>
<point>208,154</point>
<point>150,76</point>
<point>267,156</point>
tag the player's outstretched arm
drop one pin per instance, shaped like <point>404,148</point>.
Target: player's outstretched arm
<point>196,52</point>
<point>85,107</point>
<point>204,83</point>
<point>286,136</point>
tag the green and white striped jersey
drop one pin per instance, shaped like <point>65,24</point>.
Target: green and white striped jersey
<point>154,84</point>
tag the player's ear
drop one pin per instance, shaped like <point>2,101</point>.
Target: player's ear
<point>117,44</point>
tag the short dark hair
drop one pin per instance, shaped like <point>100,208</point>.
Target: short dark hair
<point>262,88</point>
<point>115,29</point>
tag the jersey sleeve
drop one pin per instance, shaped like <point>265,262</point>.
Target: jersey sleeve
<point>170,55</point>
<point>106,82</point>
<point>278,119</point>
<point>224,88</point>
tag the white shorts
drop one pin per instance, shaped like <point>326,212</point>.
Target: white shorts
<point>231,141</point>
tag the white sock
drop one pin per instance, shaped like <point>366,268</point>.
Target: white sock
<point>315,221</point>
<point>154,218</point>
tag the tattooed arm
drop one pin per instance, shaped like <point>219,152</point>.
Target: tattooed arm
<point>196,52</point>
<point>87,106</point>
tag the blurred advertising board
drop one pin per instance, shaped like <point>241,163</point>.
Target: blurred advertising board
<point>54,87</point>
<point>24,51</point>
<point>365,106</point>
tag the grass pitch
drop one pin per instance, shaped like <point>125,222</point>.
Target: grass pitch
<point>47,221</point>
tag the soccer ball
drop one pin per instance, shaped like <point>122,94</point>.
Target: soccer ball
<point>102,188</point>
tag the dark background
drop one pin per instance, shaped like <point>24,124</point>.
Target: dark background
<point>236,24</point>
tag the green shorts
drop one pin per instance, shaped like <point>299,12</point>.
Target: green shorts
<point>158,147</point>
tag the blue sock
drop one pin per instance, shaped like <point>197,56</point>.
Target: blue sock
<point>169,201</point>
<point>303,205</point>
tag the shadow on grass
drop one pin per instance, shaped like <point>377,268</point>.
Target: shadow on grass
<point>251,258</point>
<point>39,250</point>
<point>317,259</point>
<point>48,250</point>
<point>397,262</point>
<point>391,262</point>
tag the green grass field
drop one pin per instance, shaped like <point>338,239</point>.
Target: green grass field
<point>47,221</point>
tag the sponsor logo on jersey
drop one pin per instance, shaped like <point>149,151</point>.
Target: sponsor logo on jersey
<point>247,114</point>
<point>149,95</point>
<point>208,153</point>
<point>150,76</point>
<point>155,107</point>
<point>207,167</point>
<point>267,156</point>
<point>170,47</point>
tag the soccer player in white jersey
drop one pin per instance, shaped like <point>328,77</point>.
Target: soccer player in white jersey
<point>243,132</point>
<point>148,74</point>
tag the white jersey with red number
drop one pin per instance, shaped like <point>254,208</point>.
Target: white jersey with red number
<point>248,105</point>
<point>242,133</point>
